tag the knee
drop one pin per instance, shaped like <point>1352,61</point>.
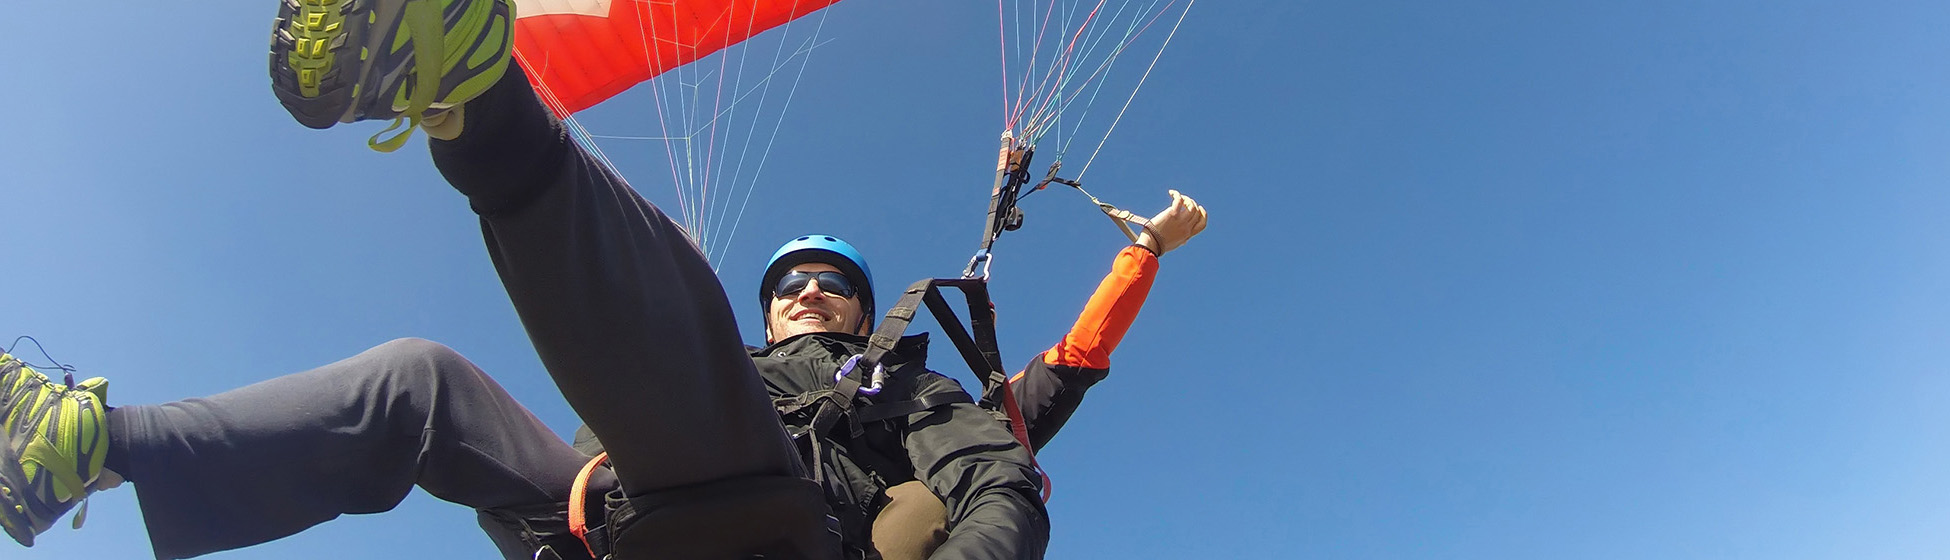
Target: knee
<point>420,359</point>
<point>414,350</point>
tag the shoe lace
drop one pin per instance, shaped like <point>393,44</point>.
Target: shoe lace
<point>427,30</point>
<point>108,479</point>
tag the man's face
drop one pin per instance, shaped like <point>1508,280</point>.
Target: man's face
<point>812,310</point>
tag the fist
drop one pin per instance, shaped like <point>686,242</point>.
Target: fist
<point>1178,223</point>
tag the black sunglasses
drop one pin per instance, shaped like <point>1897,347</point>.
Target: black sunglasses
<point>830,282</point>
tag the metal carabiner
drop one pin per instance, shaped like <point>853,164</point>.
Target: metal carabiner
<point>877,382</point>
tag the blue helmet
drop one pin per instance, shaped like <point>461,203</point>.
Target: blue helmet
<point>821,249</point>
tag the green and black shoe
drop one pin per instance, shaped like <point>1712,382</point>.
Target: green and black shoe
<point>56,439</point>
<point>335,61</point>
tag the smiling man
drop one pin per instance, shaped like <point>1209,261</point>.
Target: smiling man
<point>808,306</point>
<point>816,283</point>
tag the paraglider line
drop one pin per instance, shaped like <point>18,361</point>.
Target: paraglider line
<point>702,175</point>
<point>1002,46</point>
<point>1062,61</point>
<point>1060,69</point>
<point>652,53</point>
<point>766,156</point>
<point>765,92</point>
<point>1012,110</point>
<point>1096,87</point>
<point>1134,91</point>
<point>779,60</point>
<point>1067,90</point>
<point>768,77</point>
<point>576,130</point>
<point>702,179</point>
<point>728,110</point>
<point>725,113</point>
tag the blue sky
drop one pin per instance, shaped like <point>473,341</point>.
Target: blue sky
<point>1483,280</point>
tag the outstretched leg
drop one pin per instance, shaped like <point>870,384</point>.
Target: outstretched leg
<point>271,459</point>
<point>624,310</point>
<point>635,329</point>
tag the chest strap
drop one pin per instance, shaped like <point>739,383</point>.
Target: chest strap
<point>884,411</point>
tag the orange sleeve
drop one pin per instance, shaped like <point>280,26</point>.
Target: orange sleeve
<point>1110,312</point>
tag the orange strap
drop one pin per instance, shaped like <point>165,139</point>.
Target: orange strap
<point>1110,312</point>
<point>1020,429</point>
<point>578,511</point>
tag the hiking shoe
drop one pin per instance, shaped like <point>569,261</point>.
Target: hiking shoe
<point>56,439</point>
<point>335,61</point>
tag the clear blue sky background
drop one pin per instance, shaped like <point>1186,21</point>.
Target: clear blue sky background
<point>1501,279</point>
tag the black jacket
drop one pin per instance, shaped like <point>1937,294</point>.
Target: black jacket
<point>1050,393</point>
<point>960,450</point>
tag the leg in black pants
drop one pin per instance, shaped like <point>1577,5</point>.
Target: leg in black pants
<point>271,459</point>
<point>624,311</point>
<point>628,317</point>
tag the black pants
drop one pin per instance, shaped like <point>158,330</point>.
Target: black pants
<point>624,312</point>
<point>271,459</point>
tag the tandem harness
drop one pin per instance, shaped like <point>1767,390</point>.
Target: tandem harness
<point>861,378</point>
<point>865,375</point>
<point>977,346</point>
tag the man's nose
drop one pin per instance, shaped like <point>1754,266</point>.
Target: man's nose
<point>812,291</point>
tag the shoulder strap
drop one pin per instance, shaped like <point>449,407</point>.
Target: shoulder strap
<point>979,349</point>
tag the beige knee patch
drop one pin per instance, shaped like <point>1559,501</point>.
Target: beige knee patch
<point>913,524</point>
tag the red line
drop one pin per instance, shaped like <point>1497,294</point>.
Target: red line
<point>1066,58</point>
<point>1002,40</point>
<point>1120,49</point>
<point>1042,30</point>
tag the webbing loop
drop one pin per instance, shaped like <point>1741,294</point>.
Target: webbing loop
<point>1123,218</point>
<point>578,509</point>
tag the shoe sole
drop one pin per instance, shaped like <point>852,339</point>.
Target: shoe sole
<point>319,56</point>
<point>335,61</point>
<point>13,499</point>
<point>13,479</point>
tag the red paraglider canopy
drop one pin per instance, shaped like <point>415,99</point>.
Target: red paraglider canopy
<point>580,52</point>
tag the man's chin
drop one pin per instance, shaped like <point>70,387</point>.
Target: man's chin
<point>797,328</point>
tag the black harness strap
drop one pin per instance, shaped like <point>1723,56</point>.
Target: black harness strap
<point>978,348</point>
<point>833,404</point>
<point>878,412</point>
